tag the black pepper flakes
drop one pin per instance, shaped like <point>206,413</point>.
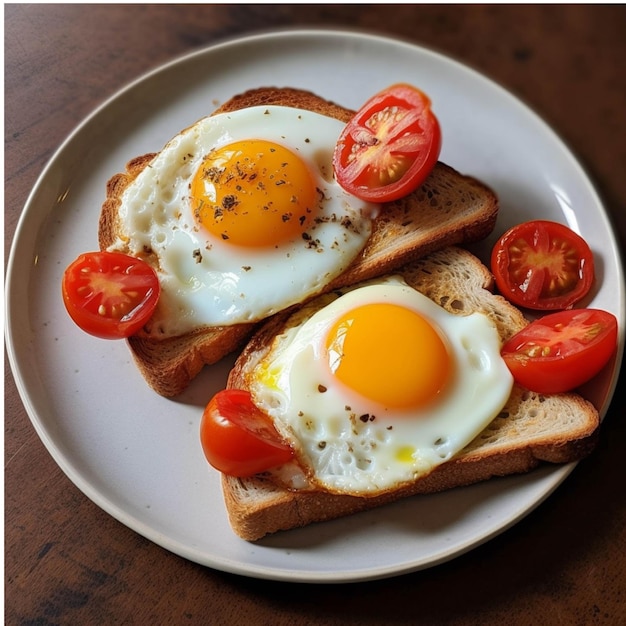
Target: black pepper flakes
<point>230,202</point>
<point>214,174</point>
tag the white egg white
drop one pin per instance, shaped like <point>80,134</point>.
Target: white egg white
<point>346,444</point>
<point>204,280</point>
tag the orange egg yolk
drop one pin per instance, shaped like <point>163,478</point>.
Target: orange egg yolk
<point>253,193</point>
<point>389,354</point>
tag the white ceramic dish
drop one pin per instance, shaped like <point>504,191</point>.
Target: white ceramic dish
<point>136,454</point>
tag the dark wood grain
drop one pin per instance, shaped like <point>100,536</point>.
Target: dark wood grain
<point>68,562</point>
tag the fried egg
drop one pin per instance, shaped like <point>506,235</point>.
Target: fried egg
<point>241,217</point>
<point>380,386</point>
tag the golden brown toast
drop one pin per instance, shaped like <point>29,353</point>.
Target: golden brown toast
<point>531,429</point>
<point>449,208</point>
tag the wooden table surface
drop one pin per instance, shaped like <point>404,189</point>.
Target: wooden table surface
<point>68,562</point>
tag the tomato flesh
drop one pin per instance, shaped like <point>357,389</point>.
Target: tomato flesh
<point>542,265</point>
<point>389,147</point>
<point>237,438</point>
<point>110,295</point>
<point>561,350</point>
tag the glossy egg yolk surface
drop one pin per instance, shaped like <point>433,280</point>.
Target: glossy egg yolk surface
<point>389,354</point>
<point>253,193</point>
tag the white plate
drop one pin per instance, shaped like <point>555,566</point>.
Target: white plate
<point>136,454</point>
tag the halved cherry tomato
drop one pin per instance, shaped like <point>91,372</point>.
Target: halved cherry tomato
<point>562,350</point>
<point>389,147</point>
<point>109,294</point>
<point>237,438</point>
<point>542,265</point>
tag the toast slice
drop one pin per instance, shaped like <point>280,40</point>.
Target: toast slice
<point>449,208</point>
<point>531,429</point>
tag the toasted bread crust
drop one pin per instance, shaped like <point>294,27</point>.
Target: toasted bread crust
<point>257,508</point>
<point>108,224</point>
<point>447,209</point>
<point>531,429</point>
<point>287,97</point>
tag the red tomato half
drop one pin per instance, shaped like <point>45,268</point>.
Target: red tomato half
<point>237,438</point>
<point>109,294</point>
<point>542,265</point>
<point>562,350</point>
<point>389,147</point>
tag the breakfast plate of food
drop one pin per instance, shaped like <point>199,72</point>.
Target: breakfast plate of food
<point>208,414</point>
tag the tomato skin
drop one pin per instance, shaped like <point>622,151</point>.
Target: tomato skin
<point>237,438</point>
<point>109,294</point>
<point>389,147</point>
<point>562,350</point>
<point>542,265</point>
